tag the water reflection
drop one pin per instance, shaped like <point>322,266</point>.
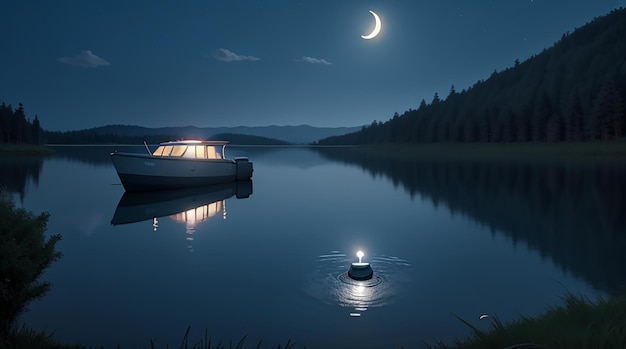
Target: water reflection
<point>18,170</point>
<point>331,284</point>
<point>95,155</point>
<point>192,217</point>
<point>572,212</point>
<point>189,206</point>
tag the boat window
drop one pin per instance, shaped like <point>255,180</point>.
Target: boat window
<point>190,153</point>
<point>158,151</point>
<point>167,150</point>
<point>200,152</point>
<point>178,150</point>
<point>214,152</point>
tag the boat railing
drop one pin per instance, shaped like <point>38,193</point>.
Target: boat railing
<point>148,149</point>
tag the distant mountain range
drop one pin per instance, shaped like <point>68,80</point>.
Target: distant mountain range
<point>302,134</point>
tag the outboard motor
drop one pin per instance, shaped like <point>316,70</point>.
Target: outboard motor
<point>243,189</point>
<point>244,168</point>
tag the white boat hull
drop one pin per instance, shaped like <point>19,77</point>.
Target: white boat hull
<point>139,172</point>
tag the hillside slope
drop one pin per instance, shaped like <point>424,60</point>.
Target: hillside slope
<point>572,91</point>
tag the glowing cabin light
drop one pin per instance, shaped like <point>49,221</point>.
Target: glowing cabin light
<point>360,255</point>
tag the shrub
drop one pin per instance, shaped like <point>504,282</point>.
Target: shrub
<point>24,256</point>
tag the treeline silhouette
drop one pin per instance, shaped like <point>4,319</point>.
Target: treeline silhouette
<point>572,212</point>
<point>15,127</point>
<point>572,91</point>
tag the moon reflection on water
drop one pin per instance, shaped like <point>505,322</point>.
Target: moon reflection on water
<point>331,284</point>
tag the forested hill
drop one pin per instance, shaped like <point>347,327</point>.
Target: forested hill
<point>572,91</point>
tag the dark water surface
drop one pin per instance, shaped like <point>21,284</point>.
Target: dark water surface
<point>267,258</point>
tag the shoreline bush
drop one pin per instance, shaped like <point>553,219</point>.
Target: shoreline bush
<point>25,254</point>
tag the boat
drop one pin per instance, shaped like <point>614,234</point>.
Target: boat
<point>180,164</point>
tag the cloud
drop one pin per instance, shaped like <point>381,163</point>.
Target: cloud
<point>229,56</point>
<point>307,59</point>
<point>85,59</point>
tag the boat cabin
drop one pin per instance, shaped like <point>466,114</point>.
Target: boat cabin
<point>192,149</point>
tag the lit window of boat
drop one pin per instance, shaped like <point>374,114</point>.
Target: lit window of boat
<point>178,150</point>
<point>167,150</point>
<point>200,152</point>
<point>158,151</point>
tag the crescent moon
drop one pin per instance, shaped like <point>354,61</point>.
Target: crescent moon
<point>377,27</point>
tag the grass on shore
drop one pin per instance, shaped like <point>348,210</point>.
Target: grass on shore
<point>576,324</point>
<point>28,338</point>
<point>24,149</point>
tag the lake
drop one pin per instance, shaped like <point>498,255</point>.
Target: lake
<point>267,259</point>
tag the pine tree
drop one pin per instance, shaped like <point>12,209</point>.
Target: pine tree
<point>485,128</point>
<point>422,104</point>
<point>607,114</point>
<point>451,93</point>
<point>436,99</point>
<point>19,124</point>
<point>470,133</point>
<point>541,115</point>
<point>574,120</point>
<point>6,120</point>
<point>509,129</point>
<point>523,126</point>
<point>555,129</point>
<point>36,131</point>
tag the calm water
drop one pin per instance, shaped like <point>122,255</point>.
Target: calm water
<point>443,238</point>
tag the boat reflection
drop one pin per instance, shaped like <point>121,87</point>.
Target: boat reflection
<point>189,206</point>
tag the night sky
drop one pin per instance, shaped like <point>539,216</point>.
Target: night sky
<point>79,64</point>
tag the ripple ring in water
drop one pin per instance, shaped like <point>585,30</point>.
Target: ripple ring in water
<point>332,284</point>
<point>346,279</point>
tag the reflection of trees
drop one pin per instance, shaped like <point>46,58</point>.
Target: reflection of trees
<point>17,170</point>
<point>574,213</point>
